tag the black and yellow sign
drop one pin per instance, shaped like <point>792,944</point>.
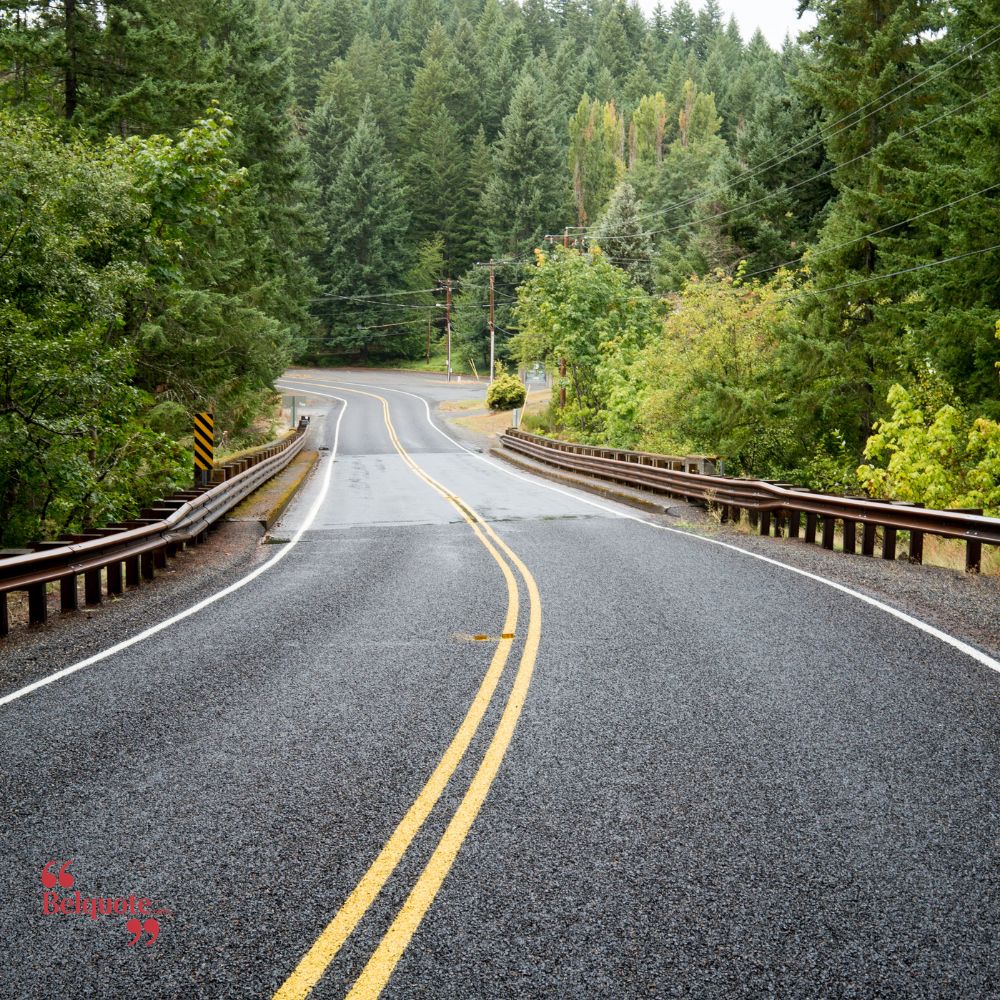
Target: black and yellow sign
<point>204,441</point>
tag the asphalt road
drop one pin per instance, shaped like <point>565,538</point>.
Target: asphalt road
<point>687,773</point>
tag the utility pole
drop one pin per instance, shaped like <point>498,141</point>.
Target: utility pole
<point>562,382</point>
<point>447,321</point>
<point>492,328</point>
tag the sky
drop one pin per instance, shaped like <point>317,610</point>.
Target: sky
<point>773,17</point>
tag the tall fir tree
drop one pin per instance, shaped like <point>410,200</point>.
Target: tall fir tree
<point>525,197</point>
<point>623,237</point>
<point>863,49</point>
<point>366,222</point>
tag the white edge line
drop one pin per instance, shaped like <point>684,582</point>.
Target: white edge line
<point>963,647</point>
<point>195,608</point>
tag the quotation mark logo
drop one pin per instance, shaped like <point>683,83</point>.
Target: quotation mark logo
<point>150,926</point>
<point>64,878</point>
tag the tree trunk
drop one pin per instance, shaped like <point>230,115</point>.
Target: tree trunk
<point>69,7</point>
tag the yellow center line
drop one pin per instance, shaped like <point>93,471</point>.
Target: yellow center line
<point>376,974</point>
<point>315,962</point>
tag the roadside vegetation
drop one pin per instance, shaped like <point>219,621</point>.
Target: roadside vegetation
<point>788,258</point>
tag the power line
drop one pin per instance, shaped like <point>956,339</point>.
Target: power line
<point>878,232</point>
<point>823,173</point>
<point>820,136</point>
<point>891,274</point>
<point>837,246</point>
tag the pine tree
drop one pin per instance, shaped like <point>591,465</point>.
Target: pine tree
<point>322,32</point>
<point>862,50</point>
<point>683,24</point>
<point>951,310</point>
<point>470,223</point>
<point>366,221</point>
<point>370,71</point>
<point>784,200</point>
<point>708,27</point>
<point>622,235</point>
<point>612,45</point>
<point>435,172</point>
<point>525,197</point>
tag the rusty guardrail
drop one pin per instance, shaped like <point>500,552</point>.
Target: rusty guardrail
<point>781,505</point>
<point>141,545</point>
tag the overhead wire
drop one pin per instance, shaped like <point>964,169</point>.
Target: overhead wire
<point>837,246</point>
<point>823,173</point>
<point>927,265</point>
<point>821,136</point>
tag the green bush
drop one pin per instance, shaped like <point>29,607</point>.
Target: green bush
<point>939,456</point>
<point>506,393</point>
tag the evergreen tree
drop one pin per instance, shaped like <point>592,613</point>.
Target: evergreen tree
<point>435,173</point>
<point>862,50</point>
<point>524,198</point>
<point>612,45</point>
<point>950,312</point>
<point>622,236</point>
<point>366,221</point>
<point>708,27</point>
<point>470,224</point>
<point>783,202</point>
<point>683,24</point>
<point>322,31</point>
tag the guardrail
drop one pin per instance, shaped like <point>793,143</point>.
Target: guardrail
<point>141,545</point>
<point>776,505</point>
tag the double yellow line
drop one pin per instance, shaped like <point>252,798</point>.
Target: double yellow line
<point>380,966</point>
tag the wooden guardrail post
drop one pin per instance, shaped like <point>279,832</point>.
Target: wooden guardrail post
<point>810,535</point>
<point>829,532</point>
<point>889,543</point>
<point>38,604</point>
<point>850,536</point>
<point>794,521</point>
<point>973,546</point>
<point>868,539</point>
<point>92,587</point>
<point>916,547</point>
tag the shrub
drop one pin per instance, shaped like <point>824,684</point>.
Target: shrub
<point>506,392</point>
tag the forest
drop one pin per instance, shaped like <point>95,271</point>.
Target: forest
<point>790,259</point>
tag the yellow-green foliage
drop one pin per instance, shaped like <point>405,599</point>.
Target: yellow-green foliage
<point>580,308</point>
<point>506,392</point>
<point>933,455</point>
<point>711,381</point>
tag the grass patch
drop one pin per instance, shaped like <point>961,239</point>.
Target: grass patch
<point>457,405</point>
<point>498,422</point>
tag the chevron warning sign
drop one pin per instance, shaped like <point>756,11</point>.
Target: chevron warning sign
<point>204,441</point>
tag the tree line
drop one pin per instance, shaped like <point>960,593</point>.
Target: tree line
<point>780,256</point>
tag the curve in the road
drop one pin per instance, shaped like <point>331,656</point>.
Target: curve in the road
<point>976,654</point>
<point>383,961</point>
<point>211,599</point>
